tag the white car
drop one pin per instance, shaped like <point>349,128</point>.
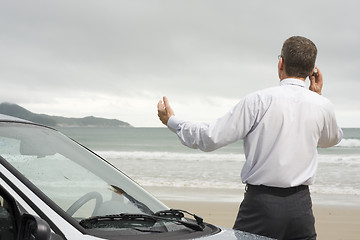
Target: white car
<point>54,188</point>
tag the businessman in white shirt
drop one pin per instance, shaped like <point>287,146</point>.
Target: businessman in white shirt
<point>281,128</point>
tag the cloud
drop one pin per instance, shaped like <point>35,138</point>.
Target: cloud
<point>60,54</point>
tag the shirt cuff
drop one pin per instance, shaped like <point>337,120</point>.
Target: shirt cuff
<point>173,123</point>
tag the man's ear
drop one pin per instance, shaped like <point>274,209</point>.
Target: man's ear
<point>281,69</point>
<point>281,65</point>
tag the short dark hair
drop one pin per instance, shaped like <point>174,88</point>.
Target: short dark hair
<point>299,55</point>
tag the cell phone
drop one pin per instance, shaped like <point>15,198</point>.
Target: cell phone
<point>315,72</point>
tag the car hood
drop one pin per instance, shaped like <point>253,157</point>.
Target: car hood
<point>230,234</point>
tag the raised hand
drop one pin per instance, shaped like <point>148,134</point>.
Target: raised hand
<point>164,110</point>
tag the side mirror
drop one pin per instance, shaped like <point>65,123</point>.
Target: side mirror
<point>35,228</point>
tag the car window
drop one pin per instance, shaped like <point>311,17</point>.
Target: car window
<point>78,181</point>
<point>103,200</point>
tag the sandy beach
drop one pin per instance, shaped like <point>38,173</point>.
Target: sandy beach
<point>334,221</point>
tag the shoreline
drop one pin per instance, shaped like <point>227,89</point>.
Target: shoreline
<point>336,216</point>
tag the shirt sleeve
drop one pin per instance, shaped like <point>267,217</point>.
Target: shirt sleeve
<point>331,133</point>
<point>234,125</point>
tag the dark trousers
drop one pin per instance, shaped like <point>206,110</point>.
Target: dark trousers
<point>280,213</point>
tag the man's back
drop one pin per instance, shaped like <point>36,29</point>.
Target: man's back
<point>288,122</point>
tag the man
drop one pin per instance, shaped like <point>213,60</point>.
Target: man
<point>281,128</point>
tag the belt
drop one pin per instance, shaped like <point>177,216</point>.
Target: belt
<point>275,190</point>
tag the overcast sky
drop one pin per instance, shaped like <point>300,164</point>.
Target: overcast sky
<point>116,59</point>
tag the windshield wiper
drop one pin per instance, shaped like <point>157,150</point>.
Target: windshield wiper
<point>136,220</point>
<point>179,214</point>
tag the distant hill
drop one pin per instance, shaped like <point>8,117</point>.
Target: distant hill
<point>56,121</point>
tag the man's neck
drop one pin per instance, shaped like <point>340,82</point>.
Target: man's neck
<point>285,77</point>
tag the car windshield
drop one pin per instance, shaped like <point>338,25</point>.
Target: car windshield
<point>77,180</point>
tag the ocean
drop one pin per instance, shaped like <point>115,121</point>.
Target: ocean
<point>155,158</point>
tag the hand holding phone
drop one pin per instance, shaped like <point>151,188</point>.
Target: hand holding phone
<point>316,81</point>
<point>315,72</point>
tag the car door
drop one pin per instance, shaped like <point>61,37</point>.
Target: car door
<point>9,216</point>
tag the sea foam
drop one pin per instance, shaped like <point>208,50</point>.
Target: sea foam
<point>349,143</point>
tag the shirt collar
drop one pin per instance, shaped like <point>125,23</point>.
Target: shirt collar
<point>292,81</point>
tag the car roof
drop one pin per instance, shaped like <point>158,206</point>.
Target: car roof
<point>7,118</point>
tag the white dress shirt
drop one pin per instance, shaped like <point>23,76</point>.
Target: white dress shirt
<point>281,128</point>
